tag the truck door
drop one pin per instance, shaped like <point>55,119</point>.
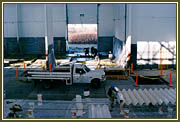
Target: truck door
<point>79,75</point>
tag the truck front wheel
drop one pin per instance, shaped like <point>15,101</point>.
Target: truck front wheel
<point>95,83</point>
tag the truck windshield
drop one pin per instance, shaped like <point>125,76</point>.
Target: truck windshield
<point>86,68</point>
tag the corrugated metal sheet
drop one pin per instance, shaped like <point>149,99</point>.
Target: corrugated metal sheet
<point>173,91</point>
<point>145,98</point>
<point>153,101</point>
<point>138,97</point>
<point>132,97</point>
<point>164,97</point>
<point>170,93</point>
<point>156,97</point>
<point>167,96</point>
<point>99,111</point>
<point>126,97</point>
<point>159,101</point>
<point>159,97</point>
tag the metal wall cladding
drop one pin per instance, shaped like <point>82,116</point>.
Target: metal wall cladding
<point>33,46</point>
<point>26,46</point>
<point>99,111</point>
<point>147,96</point>
<point>10,46</point>
<point>60,46</point>
<point>105,43</point>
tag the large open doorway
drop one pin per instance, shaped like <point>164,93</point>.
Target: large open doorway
<point>81,37</point>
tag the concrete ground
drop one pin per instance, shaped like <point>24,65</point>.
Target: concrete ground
<point>15,89</point>
<point>53,108</point>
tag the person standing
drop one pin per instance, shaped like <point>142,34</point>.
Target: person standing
<point>115,95</point>
<point>129,60</point>
<point>92,51</point>
<point>95,52</point>
<point>111,97</point>
<point>120,100</point>
<point>110,55</point>
<point>86,51</point>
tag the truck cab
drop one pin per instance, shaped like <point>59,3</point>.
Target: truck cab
<point>82,74</point>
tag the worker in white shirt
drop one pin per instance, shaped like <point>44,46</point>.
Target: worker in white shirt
<point>110,55</point>
<point>120,100</point>
<point>114,94</point>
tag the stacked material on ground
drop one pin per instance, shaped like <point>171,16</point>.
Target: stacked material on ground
<point>17,62</point>
<point>99,111</point>
<point>42,62</point>
<point>93,107</point>
<point>39,63</point>
<point>87,108</point>
<point>116,74</point>
<point>62,61</point>
<point>105,63</point>
<point>92,64</point>
<point>83,108</point>
<point>48,109</point>
<point>155,97</point>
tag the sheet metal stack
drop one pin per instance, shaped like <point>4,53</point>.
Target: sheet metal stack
<point>99,111</point>
<point>147,96</point>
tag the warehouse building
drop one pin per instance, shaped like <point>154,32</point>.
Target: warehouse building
<point>92,48</point>
<point>148,31</point>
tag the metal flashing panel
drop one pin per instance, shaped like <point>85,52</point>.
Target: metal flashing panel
<point>99,111</point>
<point>156,97</point>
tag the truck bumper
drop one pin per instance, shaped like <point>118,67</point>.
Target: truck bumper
<point>103,79</point>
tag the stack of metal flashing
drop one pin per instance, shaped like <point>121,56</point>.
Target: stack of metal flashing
<point>99,111</point>
<point>155,97</point>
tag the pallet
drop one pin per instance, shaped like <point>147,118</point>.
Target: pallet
<point>116,77</point>
<point>164,66</point>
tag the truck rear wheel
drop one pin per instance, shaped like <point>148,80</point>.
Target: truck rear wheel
<point>95,83</point>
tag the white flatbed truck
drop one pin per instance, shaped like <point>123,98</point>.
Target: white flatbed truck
<point>70,74</point>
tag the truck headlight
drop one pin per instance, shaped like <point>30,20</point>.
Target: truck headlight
<point>103,76</point>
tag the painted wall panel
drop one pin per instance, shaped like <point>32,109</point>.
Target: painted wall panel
<point>106,28</point>
<point>10,29</point>
<point>119,15</point>
<point>154,32</point>
<point>105,44</point>
<point>153,22</point>
<point>106,20</point>
<point>11,46</point>
<point>122,40</point>
<point>33,29</point>
<point>59,20</point>
<point>88,12</point>
<point>10,23</point>
<point>31,20</point>
<point>32,46</point>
